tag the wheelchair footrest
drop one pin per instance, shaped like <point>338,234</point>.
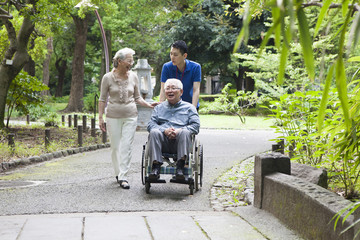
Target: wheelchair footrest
<point>186,180</point>
<point>155,180</point>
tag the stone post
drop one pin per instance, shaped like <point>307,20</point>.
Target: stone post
<point>279,146</point>
<point>266,164</point>
<point>93,129</point>
<point>47,138</point>
<point>11,140</point>
<point>80,136</point>
<point>84,121</point>
<point>69,121</point>
<point>143,70</point>
<point>75,120</point>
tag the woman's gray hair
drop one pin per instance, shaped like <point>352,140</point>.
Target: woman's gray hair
<point>121,54</point>
<point>175,82</point>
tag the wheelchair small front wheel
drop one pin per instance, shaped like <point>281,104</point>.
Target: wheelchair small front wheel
<point>191,187</point>
<point>147,187</point>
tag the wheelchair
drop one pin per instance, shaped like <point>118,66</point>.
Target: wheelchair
<point>193,169</point>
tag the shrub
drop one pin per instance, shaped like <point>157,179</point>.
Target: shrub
<point>52,119</point>
<point>24,92</point>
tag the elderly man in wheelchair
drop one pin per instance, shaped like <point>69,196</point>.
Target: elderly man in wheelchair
<point>172,126</point>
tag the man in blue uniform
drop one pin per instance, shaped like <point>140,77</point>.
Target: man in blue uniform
<point>188,72</point>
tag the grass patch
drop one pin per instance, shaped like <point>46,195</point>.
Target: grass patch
<point>233,122</point>
<point>58,106</point>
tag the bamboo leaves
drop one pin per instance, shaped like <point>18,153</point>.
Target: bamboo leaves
<point>306,42</point>
<point>324,98</point>
<point>323,11</point>
<point>284,14</point>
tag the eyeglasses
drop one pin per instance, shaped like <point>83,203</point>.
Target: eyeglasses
<point>172,88</point>
<point>131,62</point>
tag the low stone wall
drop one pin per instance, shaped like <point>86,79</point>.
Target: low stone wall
<point>300,204</point>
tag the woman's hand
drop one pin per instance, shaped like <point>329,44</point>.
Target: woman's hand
<point>102,124</point>
<point>154,104</point>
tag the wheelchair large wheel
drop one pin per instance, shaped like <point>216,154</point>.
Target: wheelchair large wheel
<point>201,163</point>
<point>144,162</point>
<point>197,154</point>
<point>143,166</point>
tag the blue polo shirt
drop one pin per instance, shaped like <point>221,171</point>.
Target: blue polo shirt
<point>192,73</point>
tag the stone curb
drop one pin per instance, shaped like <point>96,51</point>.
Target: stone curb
<point>5,166</point>
<point>220,193</point>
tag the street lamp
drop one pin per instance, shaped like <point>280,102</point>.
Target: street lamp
<point>87,3</point>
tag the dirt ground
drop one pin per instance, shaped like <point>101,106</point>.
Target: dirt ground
<point>30,141</point>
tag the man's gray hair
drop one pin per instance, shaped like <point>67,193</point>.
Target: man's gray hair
<point>121,54</point>
<point>175,82</point>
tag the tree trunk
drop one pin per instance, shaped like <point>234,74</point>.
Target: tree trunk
<point>61,67</point>
<point>249,84</point>
<point>46,65</point>
<point>29,67</point>
<point>77,81</point>
<point>157,86</point>
<point>239,79</point>
<point>18,53</point>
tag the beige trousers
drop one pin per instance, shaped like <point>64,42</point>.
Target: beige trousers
<point>121,133</point>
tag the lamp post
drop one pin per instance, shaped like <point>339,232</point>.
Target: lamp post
<point>87,3</point>
<point>106,51</point>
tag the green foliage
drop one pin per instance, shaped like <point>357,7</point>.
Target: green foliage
<point>344,214</point>
<point>347,157</point>
<point>295,119</point>
<point>89,99</point>
<point>24,92</point>
<point>64,99</point>
<point>52,119</point>
<point>336,21</point>
<point>37,111</point>
<point>234,104</point>
<point>264,70</point>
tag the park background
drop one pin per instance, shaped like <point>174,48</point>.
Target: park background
<point>295,62</point>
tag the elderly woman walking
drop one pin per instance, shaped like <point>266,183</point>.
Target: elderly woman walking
<point>121,85</point>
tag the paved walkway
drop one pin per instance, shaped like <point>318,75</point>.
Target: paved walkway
<point>142,225</point>
<point>245,222</point>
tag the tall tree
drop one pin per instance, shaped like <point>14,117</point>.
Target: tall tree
<point>81,20</point>
<point>16,55</point>
<point>46,65</point>
<point>22,20</point>
<point>61,66</point>
<point>60,76</point>
<point>77,81</point>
